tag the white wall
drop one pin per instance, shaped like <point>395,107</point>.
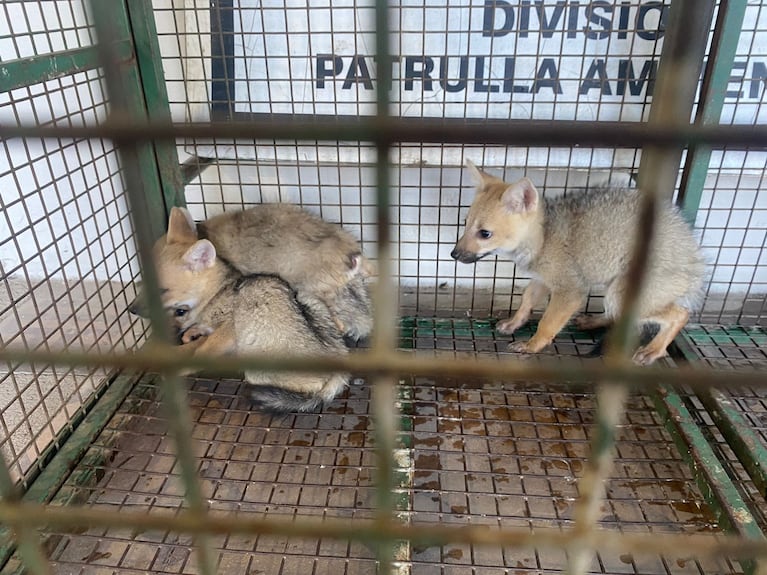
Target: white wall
<point>64,211</point>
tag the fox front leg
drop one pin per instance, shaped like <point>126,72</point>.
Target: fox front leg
<point>560,309</point>
<point>194,333</point>
<point>531,297</point>
<point>220,341</point>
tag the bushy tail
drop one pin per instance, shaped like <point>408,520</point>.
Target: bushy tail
<point>278,400</point>
<point>648,331</point>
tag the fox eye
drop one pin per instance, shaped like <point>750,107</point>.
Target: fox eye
<point>180,311</point>
<point>485,234</point>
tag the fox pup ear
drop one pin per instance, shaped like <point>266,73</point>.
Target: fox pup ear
<point>477,175</point>
<point>359,265</point>
<point>200,256</point>
<point>521,197</point>
<point>181,227</point>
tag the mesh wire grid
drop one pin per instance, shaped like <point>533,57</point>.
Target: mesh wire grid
<point>281,79</point>
<point>68,260</point>
<point>348,196</point>
<point>481,454</point>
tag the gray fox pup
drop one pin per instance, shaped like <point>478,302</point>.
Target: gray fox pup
<point>258,313</point>
<point>572,244</point>
<point>317,258</point>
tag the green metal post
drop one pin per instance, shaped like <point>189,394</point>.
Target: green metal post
<point>148,210</point>
<point>155,95</point>
<point>681,61</point>
<point>29,71</point>
<point>724,46</point>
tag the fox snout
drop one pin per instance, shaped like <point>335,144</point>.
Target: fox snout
<point>137,307</point>
<point>463,256</point>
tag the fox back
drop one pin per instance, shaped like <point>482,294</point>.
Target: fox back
<point>317,258</point>
<point>582,240</point>
<point>312,255</point>
<point>270,317</point>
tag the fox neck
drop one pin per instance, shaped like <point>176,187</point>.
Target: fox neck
<point>527,251</point>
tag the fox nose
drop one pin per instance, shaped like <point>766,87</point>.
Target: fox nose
<point>137,307</point>
<point>455,254</point>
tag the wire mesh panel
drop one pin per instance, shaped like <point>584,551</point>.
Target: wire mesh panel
<point>68,259</point>
<point>497,455</point>
<point>298,466</point>
<point>387,473</point>
<point>500,60</point>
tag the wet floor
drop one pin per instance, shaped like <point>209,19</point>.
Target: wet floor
<point>501,456</point>
<point>470,453</point>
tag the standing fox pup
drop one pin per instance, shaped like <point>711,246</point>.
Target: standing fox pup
<point>572,244</point>
<point>234,314</point>
<point>318,259</point>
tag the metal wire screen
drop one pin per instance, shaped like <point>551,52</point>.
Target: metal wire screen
<point>68,258</point>
<point>394,464</point>
<point>561,74</point>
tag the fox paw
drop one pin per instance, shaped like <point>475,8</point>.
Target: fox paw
<point>508,326</point>
<point>646,355</point>
<point>520,347</point>
<point>193,333</point>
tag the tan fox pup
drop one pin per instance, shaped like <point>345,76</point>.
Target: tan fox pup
<point>233,314</point>
<point>572,244</point>
<point>317,258</point>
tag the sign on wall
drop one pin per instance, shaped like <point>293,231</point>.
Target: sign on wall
<point>499,59</point>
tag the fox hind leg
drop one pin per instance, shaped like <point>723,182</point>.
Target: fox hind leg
<point>671,320</point>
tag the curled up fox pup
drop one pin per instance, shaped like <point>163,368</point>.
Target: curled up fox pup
<point>572,244</point>
<point>272,279</point>
<point>229,313</point>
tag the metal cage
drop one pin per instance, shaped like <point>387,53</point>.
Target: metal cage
<point>452,456</point>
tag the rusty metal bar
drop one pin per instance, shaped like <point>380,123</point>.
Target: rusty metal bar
<point>419,130</point>
<point>74,518</point>
<point>163,358</point>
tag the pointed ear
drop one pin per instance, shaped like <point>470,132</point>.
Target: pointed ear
<point>181,227</point>
<point>359,265</point>
<point>200,256</point>
<point>521,197</point>
<point>480,178</point>
<point>476,174</point>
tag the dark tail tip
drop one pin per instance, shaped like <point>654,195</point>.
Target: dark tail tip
<point>277,400</point>
<point>647,332</point>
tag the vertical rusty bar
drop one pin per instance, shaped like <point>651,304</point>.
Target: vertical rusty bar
<point>681,63</point>
<point>125,93</point>
<point>674,94</point>
<point>30,548</point>
<point>384,332</point>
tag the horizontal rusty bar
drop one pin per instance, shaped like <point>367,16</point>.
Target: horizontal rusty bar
<point>682,544</point>
<point>164,358</point>
<point>421,130</point>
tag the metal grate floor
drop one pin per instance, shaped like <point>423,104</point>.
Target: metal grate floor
<point>483,453</point>
<point>742,348</point>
